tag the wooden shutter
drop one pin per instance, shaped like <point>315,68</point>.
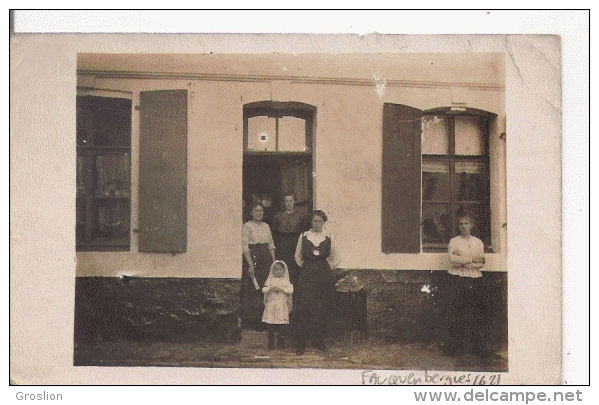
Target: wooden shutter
<point>401,179</point>
<point>163,171</point>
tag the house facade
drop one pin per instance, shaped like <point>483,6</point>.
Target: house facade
<point>173,148</point>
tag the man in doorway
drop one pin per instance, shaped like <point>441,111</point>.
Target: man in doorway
<point>287,225</point>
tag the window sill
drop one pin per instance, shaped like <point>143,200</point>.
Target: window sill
<point>112,246</point>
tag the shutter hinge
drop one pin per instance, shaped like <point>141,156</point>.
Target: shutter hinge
<point>137,108</point>
<point>502,135</point>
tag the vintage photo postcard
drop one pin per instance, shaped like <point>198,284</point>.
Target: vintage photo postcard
<point>335,209</point>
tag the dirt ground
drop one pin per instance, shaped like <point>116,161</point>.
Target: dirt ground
<point>252,352</point>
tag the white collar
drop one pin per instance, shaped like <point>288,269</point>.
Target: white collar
<point>316,237</point>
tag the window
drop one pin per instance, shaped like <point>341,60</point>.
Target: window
<point>455,176</point>
<point>271,126</point>
<point>103,173</point>
<point>435,165</point>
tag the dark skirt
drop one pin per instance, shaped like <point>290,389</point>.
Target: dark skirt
<point>252,300</point>
<point>467,310</point>
<point>314,300</point>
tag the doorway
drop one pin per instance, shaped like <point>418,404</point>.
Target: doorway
<point>277,160</point>
<point>267,177</point>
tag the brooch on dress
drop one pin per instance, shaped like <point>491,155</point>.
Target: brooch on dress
<point>316,252</point>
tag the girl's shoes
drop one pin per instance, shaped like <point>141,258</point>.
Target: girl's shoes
<point>271,340</point>
<point>260,326</point>
<point>272,337</point>
<point>319,344</point>
<point>280,342</point>
<point>301,348</point>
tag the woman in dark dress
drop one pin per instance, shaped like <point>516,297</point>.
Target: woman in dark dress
<point>315,287</point>
<point>259,253</point>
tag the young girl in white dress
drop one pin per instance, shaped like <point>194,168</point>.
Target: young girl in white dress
<point>278,303</point>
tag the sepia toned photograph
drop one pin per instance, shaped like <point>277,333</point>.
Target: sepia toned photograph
<point>274,205</point>
<point>374,183</point>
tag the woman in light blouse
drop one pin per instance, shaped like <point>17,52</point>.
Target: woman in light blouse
<point>259,253</point>
<point>467,304</point>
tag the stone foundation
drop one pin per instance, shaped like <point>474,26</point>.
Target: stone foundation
<point>407,306</point>
<point>157,309</point>
<point>402,306</point>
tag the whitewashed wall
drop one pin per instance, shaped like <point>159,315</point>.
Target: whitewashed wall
<point>347,168</point>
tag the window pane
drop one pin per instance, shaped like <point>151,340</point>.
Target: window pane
<point>468,136</point>
<point>262,132</point>
<point>436,226</point>
<point>85,121</point>
<point>112,220</point>
<point>80,229</point>
<point>435,135</point>
<point>114,175</point>
<point>482,220</point>
<point>435,180</point>
<point>81,174</point>
<point>471,182</point>
<point>292,134</point>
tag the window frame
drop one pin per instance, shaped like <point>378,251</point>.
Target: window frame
<point>87,187</point>
<point>279,109</point>
<point>452,158</point>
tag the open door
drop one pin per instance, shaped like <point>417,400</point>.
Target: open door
<point>277,160</point>
<point>266,178</point>
<point>296,178</point>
